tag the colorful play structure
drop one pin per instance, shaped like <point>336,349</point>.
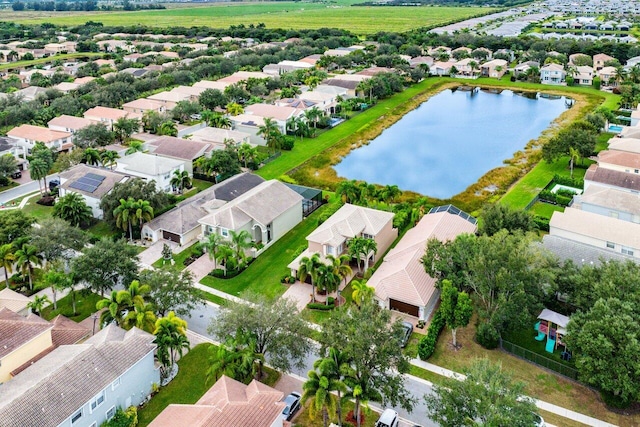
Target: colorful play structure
<point>552,327</point>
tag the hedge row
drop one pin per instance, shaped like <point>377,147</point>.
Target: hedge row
<point>427,344</point>
<point>559,199</point>
<point>320,306</point>
<point>569,182</point>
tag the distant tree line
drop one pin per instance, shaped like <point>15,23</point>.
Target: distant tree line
<point>87,6</point>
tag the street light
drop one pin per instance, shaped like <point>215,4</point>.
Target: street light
<point>94,317</point>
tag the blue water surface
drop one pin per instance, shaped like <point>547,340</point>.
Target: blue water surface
<point>451,140</point>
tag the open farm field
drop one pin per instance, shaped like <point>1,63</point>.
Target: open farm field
<point>289,15</point>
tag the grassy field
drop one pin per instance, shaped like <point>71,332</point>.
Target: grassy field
<point>541,384</point>
<point>39,61</point>
<point>285,14</point>
<point>85,306</point>
<point>264,274</point>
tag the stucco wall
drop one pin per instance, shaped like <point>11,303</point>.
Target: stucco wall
<point>23,354</point>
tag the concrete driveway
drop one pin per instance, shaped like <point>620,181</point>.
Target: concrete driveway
<point>201,267</point>
<point>154,252</point>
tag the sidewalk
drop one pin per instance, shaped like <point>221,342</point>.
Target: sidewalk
<point>545,406</point>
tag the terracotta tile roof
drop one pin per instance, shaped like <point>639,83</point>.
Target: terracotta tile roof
<point>619,158</point>
<point>612,177</point>
<point>244,75</point>
<point>348,222</point>
<point>65,331</point>
<point>37,133</point>
<point>402,276</point>
<point>271,111</point>
<point>13,300</point>
<point>144,104</point>
<point>178,148</point>
<point>16,330</point>
<point>227,403</point>
<point>109,113</point>
<point>69,122</point>
<point>217,135</point>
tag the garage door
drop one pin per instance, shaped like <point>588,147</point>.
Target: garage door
<point>410,309</point>
<point>171,236</point>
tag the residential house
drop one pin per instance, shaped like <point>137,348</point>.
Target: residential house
<point>109,116</point>
<point>440,68</point>
<point>600,60</point>
<point>401,282</point>
<point>208,84</point>
<point>608,76</point>
<point>192,92</point>
<point>152,168</point>
<point>169,98</point>
<point>267,211</point>
<point>280,115</point>
<point>631,145</point>
<point>64,47</point>
<point>217,136</point>
<point>596,230</point>
<point>612,178</point>
<point>228,403</point>
<point>581,254</point>
<point>285,67</point>
<point>421,61</point>
<point>583,75</point>
<point>133,57</point>
<point>326,102</point>
<point>90,182</point>
<point>180,224</point>
<point>30,93</point>
<point>578,58</point>
<point>240,76</point>
<point>494,68</point>
<point>185,150</point>
<point>14,301</point>
<point>332,236</point>
<point>350,82</point>
<point>467,68</point>
<point>66,87</point>
<point>28,135</point>
<point>552,74</point>
<point>611,202</point>
<point>142,105</point>
<point>71,124</point>
<point>622,161</point>
<point>82,385</point>
<point>249,124</point>
<point>11,146</point>
<point>524,67</point>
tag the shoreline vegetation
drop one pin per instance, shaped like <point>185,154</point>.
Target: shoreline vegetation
<point>318,170</point>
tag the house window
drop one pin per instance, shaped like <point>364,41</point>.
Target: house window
<point>636,171</point>
<point>97,401</point>
<point>76,416</point>
<point>115,384</point>
<point>110,413</point>
<point>367,236</point>
<point>627,251</point>
<point>330,250</point>
<point>611,245</point>
<point>224,232</point>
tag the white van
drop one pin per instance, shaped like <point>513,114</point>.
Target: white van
<point>389,418</point>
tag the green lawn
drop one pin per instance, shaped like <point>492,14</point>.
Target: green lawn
<point>264,274</point>
<point>545,209</point>
<point>40,61</point>
<point>189,385</point>
<point>36,210</point>
<point>200,184</point>
<point>178,258</point>
<point>526,338</point>
<point>603,140</point>
<point>102,229</point>
<point>285,14</point>
<point>85,306</point>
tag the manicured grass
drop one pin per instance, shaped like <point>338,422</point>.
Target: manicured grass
<point>432,377</point>
<point>200,184</point>
<point>526,338</point>
<point>35,210</point>
<point>102,229</point>
<point>264,274</point>
<point>286,14</point>
<point>603,140</point>
<point>411,349</point>
<point>540,383</point>
<point>545,210</point>
<point>85,306</point>
<point>189,385</point>
<point>315,316</point>
<point>214,298</point>
<point>40,61</point>
<point>303,418</point>
<point>178,258</point>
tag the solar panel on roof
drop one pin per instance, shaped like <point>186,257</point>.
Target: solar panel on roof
<point>95,176</point>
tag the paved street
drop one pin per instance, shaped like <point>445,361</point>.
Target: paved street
<point>22,190</point>
<point>201,317</point>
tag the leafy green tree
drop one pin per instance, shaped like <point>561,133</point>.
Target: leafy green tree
<point>171,339</point>
<point>247,153</point>
<point>137,189</point>
<point>56,239</point>
<point>488,396</point>
<point>606,341</point>
<point>390,193</point>
<point>223,164</point>
<point>171,290</point>
<point>212,99</point>
<point>456,308</point>
<point>450,259</point>
<point>180,180</point>
<point>184,110</point>
<point>92,136</point>
<point>123,128</point>
<point>106,264</point>
<point>579,135</point>
<point>57,280</point>
<point>279,333</point>
<point>27,258</point>
<point>327,279</point>
<point>7,258</point>
<point>498,216</point>
<point>8,165</point>
<point>73,208</point>
<point>370,341</point>
<point>348,191</point>
<point>39,302</point>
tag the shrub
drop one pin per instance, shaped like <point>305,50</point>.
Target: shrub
<point>287,144</point>
<point>487,336</point>
<point>288,279</point>
<point>569,182</point>
<point>541,222</point>
<point>47,201</point>
<point>565,192</point>
<point>547,196</point>
<point>563,200</point>
<point>219,273</point>
<point>331,300</point>
<point>198,250</point>
<point>320,306</point>
<point>128,418</point>
<point>427,344</point>
<point>613,401</point>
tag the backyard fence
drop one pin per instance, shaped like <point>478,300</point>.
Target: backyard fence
<point>272,157</point>
<point>538,359</point>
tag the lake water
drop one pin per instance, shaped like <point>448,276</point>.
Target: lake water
<point>451,140</point>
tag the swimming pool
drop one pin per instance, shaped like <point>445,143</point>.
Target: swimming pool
<point>615,128</point>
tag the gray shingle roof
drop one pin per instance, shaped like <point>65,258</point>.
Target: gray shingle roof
<point>48,392</point>
<point>580,253</point>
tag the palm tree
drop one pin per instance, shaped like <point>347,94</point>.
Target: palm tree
<point>348,191</point>
<point>171,339</point>
<point>213,242</point>
<point>235,359</point>
<point>333,367</point>
<point>116,306</point>
<point>390,192</point>
<point>134,147</point>
<point>234,108</point>
<point>354,250</point>
<point>318,388</point>
<point>309,267</point>
<point>240,242</point>
<point>27,257</point>
<point>574,155</point>
<point>91,156</point>
<point>141,316</point>
<point>143,212</point>
<point>125,213</point>
<point>180,180</point>
<point>246,153</point>
<point>57,279</point>
<point>362,293</point>
<point>108,158</point>
<point>7,258</point>
<point>168,128</point>
<point>367,248</point>
<point>341,267</point>
<point>39,302</point>
<point>73,209</point>
<point>327,280</point>
<point>38,170</point>
<point>270,132</point>
<point>218,120</point>
<point>313,114</point>
<point>226,256</point>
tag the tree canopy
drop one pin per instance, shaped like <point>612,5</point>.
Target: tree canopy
<point>137,189</point>
<point>172,291</point>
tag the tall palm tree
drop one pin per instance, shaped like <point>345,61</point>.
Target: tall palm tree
<point>270,132</point>
<point>240,242</point>
<point>369,247</point>
<point>327,280</point>
<point>180,180</point>
<point>574,155</point>
<point>318,389</point>
<point>226,256</point>
<point>134,147</point>
<point>27,257</point>
<point>313,114</point>
<point>247,153</point>
<point>309,267</point>
<point>235,359</point>
<point>143,212</point>
<point>234,108</point>
<point>108,158</point>
<point>38,170</point>
<point>125,213</point>
<point>362,293</point>
<point>57,279</point>
<point>341,267</point>
<point>168,128</point>
<point>171,339</point>
<point>116,306</point>
<point>390,192</point>
<point>348,191</point>
<point>7,258</point>
<point>91,156</point>
<point>142,316</point>
<point>218,120</point>
<point>213,242</point>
